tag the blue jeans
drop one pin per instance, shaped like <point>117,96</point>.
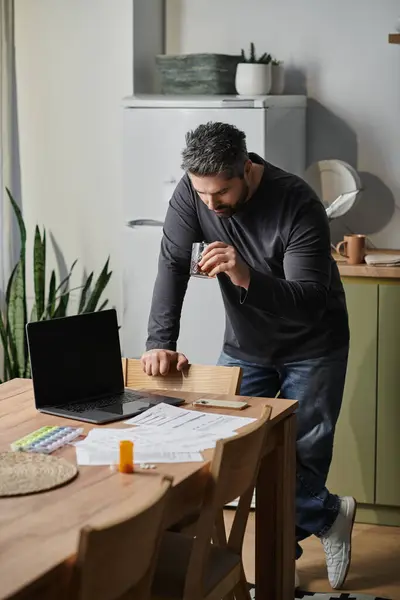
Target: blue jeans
<point>317,384</point>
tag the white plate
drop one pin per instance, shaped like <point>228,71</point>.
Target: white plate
<point>330,179</point>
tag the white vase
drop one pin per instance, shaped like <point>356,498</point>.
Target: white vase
<point>253,79</point>
<point>277,79</point>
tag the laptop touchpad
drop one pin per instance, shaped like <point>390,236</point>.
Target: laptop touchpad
<point>127,408</point>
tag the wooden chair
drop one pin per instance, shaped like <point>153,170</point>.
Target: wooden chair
<point>196,378</point>
<point>118,560</point>
<point>193,568</point>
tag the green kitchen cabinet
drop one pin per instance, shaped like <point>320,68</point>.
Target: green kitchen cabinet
<point>388,395</point>
<point>353,465</point>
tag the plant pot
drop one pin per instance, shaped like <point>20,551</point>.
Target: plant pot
<point>253,79</point>
<point>277,79</point>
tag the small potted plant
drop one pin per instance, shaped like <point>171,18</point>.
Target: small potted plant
<point>277,77</point>
<point>253,75</point>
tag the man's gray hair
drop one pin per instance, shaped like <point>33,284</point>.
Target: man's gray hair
<point>215,149</point>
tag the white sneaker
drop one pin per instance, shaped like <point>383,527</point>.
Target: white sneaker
<point>337,543</point>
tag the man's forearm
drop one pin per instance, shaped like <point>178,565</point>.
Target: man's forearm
<point>181,229</point>
<point>293,300</point>
<point>166,307</point>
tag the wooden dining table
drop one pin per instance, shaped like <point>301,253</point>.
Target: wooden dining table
<point>39,532</point>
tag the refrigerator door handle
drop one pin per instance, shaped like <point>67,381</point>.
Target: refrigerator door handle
<point>144,223</point>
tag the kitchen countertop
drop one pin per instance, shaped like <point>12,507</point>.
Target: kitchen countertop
<point>365,270</point>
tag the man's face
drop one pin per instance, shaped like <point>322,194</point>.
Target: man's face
<point>221,195</point>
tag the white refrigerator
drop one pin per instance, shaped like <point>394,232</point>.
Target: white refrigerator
<point>154,129</point>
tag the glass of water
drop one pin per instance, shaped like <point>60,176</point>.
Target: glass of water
<point>197,254</point>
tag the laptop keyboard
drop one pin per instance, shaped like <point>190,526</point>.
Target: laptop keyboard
<point>127,396</point>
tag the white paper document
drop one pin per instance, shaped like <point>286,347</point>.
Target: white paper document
<point>162,434</point>
<point>96,456</point>
<point>173,417</point>
<point>149,437</point>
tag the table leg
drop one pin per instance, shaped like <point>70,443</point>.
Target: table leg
<point>275,517</point>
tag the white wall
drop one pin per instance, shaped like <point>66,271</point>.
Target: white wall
<point>74,65</point>
<point>148,37</point>
<point>338,53</point>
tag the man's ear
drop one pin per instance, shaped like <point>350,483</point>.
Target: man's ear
<point>247,167</point>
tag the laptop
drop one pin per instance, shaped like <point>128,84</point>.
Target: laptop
<point>77,372</point>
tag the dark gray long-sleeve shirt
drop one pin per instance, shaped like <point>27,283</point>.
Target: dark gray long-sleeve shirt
<point>295,306</point>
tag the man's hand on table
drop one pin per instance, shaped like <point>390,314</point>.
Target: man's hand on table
<point>159,362</point>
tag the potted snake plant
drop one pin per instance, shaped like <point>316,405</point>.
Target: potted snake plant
<point>50,301</point>
<point>253,75</point>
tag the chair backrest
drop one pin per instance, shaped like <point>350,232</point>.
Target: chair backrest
<point>195,378</point>
<point>234,469</point>
<point>120,557</point>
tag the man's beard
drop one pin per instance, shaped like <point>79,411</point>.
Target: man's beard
<point>230,210</point>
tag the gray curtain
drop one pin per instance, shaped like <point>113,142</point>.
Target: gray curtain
<point>9,150</point>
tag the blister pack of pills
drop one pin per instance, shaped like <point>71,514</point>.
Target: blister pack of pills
<point>46,439</point>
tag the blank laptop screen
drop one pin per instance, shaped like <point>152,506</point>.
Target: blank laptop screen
<point>75,358</point>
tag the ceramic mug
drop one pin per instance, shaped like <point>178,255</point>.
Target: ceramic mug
<point>352,247</point>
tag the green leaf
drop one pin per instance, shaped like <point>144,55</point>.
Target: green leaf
<point>9,285</point>
<point>34,316</point>
<point>63,303</point>
<point>50,307</point>
<point>16,317</point>
<point>10,343</point>
<point>99,287</point>
<point>84,292</point>
<point>16,303</point>
<point>51,300</point>
<point>39,270</point>
<point>66,279</point>
<point>102,307</point>
<point>28,369</point>
<point>61,310</point>
<point>20,220</point>
<point>252,53</point>
<point>13,353</point>
<point>7,361</point>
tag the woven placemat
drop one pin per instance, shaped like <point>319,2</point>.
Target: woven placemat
<point>28,473</point>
